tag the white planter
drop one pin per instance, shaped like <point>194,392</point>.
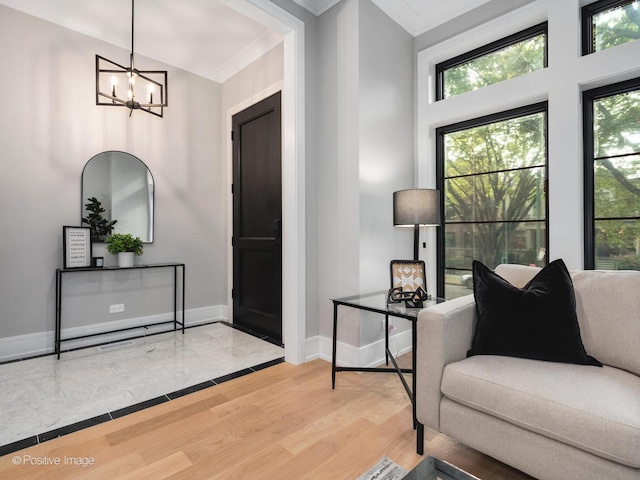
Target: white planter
<point>125,259</point>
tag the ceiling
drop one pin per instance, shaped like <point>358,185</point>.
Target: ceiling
<point>415,16</point>
<point>205,37</point>
<point>209,37</point>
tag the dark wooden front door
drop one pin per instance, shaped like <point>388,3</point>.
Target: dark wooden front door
<point>257,218</point>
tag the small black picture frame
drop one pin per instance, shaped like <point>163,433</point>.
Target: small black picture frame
<point>408,283</point>
<point>98,262</point>
<point>76,246</point>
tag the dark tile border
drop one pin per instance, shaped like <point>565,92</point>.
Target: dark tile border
<point>19,445</point>
<point>192,389</point>
<point>74,427</point>
<point>138,406</point>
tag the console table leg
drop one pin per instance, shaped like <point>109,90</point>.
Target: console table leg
<point>175,297</point>
<point>184,276</point>
<point>420,439</point>
<point>58,311</point>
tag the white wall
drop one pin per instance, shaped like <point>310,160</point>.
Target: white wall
<point>50,127</point>
<point>561,84</point>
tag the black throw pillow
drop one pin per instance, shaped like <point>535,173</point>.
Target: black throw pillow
<point>538,321</point>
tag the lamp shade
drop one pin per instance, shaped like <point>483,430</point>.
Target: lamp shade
<point>418,206</point>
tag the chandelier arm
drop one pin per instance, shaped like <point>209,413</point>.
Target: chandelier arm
<point>148,78</point>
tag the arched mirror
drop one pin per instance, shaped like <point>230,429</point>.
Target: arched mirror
<point>117,196</point>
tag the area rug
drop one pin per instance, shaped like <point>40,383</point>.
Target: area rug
<point>385,469</point>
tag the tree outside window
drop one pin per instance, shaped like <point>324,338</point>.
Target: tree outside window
<point>612,177</point>
<point>492,171</point>
<point>510,57</point>
<point>608,23</point>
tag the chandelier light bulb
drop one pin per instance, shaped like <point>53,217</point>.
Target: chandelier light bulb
<point>114,82</point>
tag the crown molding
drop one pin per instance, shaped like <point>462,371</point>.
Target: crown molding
<point>317,7</point>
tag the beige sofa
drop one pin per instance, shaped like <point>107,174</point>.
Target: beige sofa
<point>549,420</point>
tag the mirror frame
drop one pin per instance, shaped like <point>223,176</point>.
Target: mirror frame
<point>153,196</point>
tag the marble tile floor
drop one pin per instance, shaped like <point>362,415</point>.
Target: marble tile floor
<point>43,398</point>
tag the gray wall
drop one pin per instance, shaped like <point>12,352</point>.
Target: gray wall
<point>365,123</point>
<point>50,127</point>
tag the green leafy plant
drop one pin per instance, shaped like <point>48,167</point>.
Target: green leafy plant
<point>124,242</point>
<point>100,227</point>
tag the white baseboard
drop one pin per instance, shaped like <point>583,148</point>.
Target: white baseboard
<point>350,356</point>
<point>42,343</point>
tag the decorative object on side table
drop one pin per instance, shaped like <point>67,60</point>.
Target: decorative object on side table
<point>76,246</point>
<point>100,227</point>
<point>408,283</point>
<point>126,246</point>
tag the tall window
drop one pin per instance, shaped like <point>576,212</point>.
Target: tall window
<point>493,172</point>
<point>612,176</point>
<point>608,23</point>
<point>513,56</point>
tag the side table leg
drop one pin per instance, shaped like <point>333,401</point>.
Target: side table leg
<point>335,339</point>
<point>420,439</point>
<point>414,347</point>
<point>386,338</point>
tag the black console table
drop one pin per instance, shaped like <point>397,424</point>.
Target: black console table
<point>60,272</point>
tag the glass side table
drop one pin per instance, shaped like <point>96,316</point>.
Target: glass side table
<point>432,468</point>
<point>377,302</point>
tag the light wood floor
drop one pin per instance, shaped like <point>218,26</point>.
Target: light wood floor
<point>284,422</point>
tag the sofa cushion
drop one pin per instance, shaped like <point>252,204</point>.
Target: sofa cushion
<point>608,307</point>
<point>538,321</point>
<point>593,409</point>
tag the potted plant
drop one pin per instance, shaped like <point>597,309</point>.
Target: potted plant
<point>100,227</point>
<point>126,246</point>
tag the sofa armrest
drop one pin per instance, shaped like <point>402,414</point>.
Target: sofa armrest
<point>445,332</point>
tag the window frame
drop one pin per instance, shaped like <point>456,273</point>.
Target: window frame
<point>588,98</point>
<point>526,34</point>
<point>587,13</point>
<point>531,109</point>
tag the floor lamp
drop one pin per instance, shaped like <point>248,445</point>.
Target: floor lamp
<point>415,208</point>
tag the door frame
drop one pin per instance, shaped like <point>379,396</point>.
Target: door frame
<point>293,172</point>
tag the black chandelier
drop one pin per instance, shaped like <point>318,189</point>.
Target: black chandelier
<point>152,82</point>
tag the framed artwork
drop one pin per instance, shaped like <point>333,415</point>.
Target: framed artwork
<point>76,246</point>
<point>408,283</point>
